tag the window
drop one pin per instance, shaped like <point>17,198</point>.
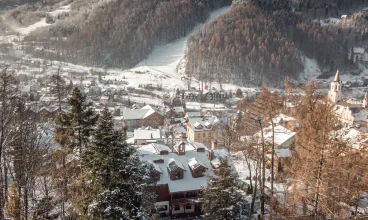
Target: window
<point>162,208</point>
<point>188,206</point>
<point>204,134</point>
<point>200,173</point>
<point>191,194</point>
<point>177,207</point>
<point>209,134</point>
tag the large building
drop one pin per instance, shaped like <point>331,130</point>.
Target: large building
<point>181,173</point>
<point>349,113</point>
<point>144,117</point>
<point>201,129</point>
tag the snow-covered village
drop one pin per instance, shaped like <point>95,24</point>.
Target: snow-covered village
<point>185,109</point>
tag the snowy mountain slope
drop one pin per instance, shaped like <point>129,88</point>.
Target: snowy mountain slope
<point>166,58</point>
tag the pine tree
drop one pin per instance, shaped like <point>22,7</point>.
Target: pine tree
<point>239,93</point>
<point>223,200</point>
<point>73,134</point>
<point>117,181</point>
<point>78,123</point>
<point>14,204</point>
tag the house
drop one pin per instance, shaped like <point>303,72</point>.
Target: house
<point>357,54</point>
<point>181,175</point>
<point>192,96</point>
<point>213,95</point>
<point>282,137</point>
<point>201,129</point>
<point>143,117</point>
<point>147,135</point>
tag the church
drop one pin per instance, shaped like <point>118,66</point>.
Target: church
<point>350,114</point>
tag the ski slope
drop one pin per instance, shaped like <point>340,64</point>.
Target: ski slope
<point>165,59</point>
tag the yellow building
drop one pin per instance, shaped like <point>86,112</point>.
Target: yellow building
<point>201,130</point>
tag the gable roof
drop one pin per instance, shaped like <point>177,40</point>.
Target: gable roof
<point>146,134</point>
<point>282,134</point>
<point>134,114</point>
<point>188,183</point>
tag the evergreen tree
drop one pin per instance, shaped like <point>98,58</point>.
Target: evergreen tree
<point>239,93</point>
<point>223,200</point>
<point>78,123</point>
<point>117,181</point>
<point>73,134</point>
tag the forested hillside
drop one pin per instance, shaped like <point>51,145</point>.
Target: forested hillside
<point>123,33</point>
<point>244,45</point>
<point>263,41</point>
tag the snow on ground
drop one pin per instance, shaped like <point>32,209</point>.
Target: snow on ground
<point>243,172</point>
<point>63,9</point>
<point>42,23</point>
<point>26,30</point>
<point>311,70</point>
<point>328,21</point>
<point>202,106</point>
<point>165,59</point>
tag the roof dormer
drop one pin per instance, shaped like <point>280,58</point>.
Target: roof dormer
<point>197,168</point>
<point>208,125</point>
<point>198,125</point>
<point>175,170</point>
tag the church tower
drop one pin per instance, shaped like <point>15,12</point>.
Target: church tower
<point>335,93</point>
<point>365,100</point>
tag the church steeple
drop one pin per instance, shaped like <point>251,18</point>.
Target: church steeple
<point>365,100</point>
<point>335,93</point>
<point>337,76</point>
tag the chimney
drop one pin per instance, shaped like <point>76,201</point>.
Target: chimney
<point>211,155</point>
<point>181,138</point>
<point>214,145</point>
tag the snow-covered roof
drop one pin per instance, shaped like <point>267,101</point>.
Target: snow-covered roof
<point>154,148</point>
<point>358,50</point>
<point>174,161</point>
<point>173,165</point>
<point>354,137</point>
<point>147,134</point>
<point>132,114</point>
<point>193,114</point>
<point>179,109</point>
<point>201,124</point>
<point>194,164</point>
<point>281,136</point>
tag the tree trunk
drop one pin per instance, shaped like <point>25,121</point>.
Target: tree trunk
<point>263,174</point>
<point>272,166</point>
<point>254,191</point>
<point>318,184</point>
